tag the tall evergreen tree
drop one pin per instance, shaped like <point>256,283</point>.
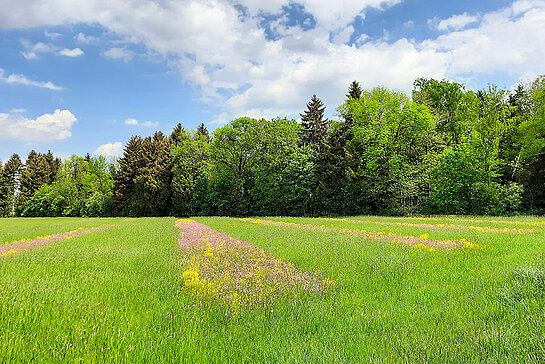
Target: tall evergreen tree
<point>155,177</point>
<point>4,201</point>
<point>354,91</point>
<point>202,130</point>
<point>314,125</point>
<point>177,135</point>
<point>12,177</point>
<point>38,170</point>
<point>125,189</point>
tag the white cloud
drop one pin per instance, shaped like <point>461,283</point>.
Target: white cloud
<point>236,66</point>
<point>457,22</point>
<point>149,124</point>
<point>32,51</point>
<point>44,128</point>
<point>18,111</point>
<point>76,52</point>
<point>51,35</point>
<point>22,80</point>
<point>119,53</point>
<point>221,119</point>
<point>86,39</point>
<point>483,49</point>
<point>109,149</point>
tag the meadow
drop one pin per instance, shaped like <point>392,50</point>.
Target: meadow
<point>355,289</point>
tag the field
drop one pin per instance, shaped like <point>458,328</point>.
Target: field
<point>357,289</point>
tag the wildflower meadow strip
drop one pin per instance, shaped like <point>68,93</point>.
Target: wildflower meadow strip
<point>437,226</point>
<point>26,244</point>
<point>474,220</point>
<point>238,274</point>
<point>421,242</point>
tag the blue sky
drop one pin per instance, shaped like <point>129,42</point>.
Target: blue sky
<point>78,77</point>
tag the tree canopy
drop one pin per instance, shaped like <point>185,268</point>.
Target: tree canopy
<point>444,150</point>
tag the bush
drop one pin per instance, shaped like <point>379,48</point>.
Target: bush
<point>495,199</point>
<point>451,183</point>
<point>45,202</point>
<point>98,205</point>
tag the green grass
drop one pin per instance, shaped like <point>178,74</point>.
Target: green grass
<point>15,229</point>
<point>117,295</point>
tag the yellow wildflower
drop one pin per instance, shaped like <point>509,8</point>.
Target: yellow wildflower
<point>329,282</point>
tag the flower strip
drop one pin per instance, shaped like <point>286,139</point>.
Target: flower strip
<point>436,226</point>
<point>27,244</point>
<point>237,273</point>
<point>423,241</point>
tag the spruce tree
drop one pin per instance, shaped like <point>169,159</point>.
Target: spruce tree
<point>12,177</point>
<point>354,91</point>
<point>202,130</point>
<point>314,125</point>
<point>176,137</point>
<point>4,202</point>
<point>38,170</point>
<point>125,189</point>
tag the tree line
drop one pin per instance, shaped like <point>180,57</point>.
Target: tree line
<point>444,150</point>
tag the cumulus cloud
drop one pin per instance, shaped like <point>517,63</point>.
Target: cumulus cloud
<point>109,149</point>
<point>149,124</point>
<point>482,49</point>
<point>47,127</point>
<point>119,53</point>
<point>237,65</point>
<point>76,52</point>
<point>457,22</point>
<point>22,80</point>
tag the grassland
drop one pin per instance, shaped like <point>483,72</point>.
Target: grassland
<point>117,294</point>
<point>15,229</point>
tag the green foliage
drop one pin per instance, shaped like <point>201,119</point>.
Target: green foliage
<point>298,183</point>
<point>495,199</point>
<point>99,204</point>
<point>142,183</point>
<point>39,169</point>
<point>11,180</point>
<point>83,188</point>
<point>448,104</point>
<point>354,91</point>
<point>451,182</point>
<point>392,137</point>
<point>313,123</point>
<point>189,161</point>
<point>247,157</point>
<point>45,202</point>
<point>448,150</point>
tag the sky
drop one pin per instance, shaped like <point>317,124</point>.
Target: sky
<point>82,77</point>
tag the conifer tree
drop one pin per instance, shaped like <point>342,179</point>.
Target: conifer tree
<point>125,189</point>
<point>176,137</point>
<point>202,130</point>
<point>354,91</point>
<point>12,175</point>
<point>4,203</point>
<point>314,125</point>
<point>38,170</point>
